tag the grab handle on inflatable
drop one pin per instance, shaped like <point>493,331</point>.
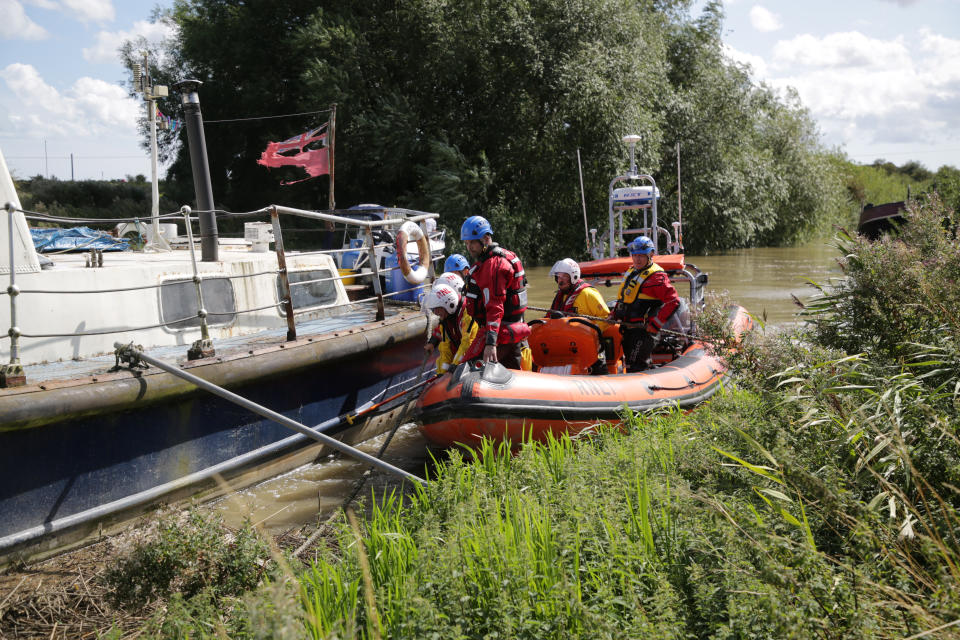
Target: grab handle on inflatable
<point>587,323</point>
<point>411,232</point>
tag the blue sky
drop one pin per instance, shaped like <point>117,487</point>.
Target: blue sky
<point>880,77</point>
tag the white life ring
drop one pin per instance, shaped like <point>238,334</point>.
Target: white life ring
<point>411,232</point>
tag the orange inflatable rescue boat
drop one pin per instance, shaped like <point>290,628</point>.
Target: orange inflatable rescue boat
<point>478,400</point>
<point>565,394</point>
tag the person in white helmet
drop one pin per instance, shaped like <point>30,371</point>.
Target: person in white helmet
<point>457,330</point>
<point>451,278</point>
<point>575,296</point>
<point>456,282</point>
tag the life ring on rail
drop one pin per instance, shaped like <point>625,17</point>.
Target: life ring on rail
<point>411,232</point>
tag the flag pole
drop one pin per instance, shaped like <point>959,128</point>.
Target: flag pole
<point>583,200</point>
<point>330,150</point>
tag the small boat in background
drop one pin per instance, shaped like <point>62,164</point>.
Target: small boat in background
<point>563,394</point>
<point>875,220</point>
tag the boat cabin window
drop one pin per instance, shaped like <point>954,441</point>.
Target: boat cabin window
<point>315,294</point>
<point>179,300</point>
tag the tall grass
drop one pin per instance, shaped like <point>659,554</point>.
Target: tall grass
<point>816,499</point>
<point>818,496</point>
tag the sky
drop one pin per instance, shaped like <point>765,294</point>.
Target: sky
<point>881,78</point>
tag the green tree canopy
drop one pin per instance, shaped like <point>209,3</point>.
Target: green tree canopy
<point>479,107</point>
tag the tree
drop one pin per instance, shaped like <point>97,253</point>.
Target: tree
<point>479,107</point>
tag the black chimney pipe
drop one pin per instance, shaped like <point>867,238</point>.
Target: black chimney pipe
<point>202,187</point>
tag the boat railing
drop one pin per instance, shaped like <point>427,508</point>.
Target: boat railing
<point>12,374</point>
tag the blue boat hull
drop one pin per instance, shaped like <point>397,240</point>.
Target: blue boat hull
<point>55,473</point>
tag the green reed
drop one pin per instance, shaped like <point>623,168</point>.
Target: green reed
<point>816,496</point>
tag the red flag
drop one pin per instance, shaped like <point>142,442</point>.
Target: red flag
<point>308,150</point>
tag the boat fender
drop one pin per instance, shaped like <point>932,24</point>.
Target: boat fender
<point>411,232</point>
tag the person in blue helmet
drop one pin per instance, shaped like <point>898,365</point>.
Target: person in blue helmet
<point>644,303</point>
<point>456,263</point>
<point>496,297</point>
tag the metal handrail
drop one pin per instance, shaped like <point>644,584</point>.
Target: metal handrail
<point>102,332</point>
<point>165,283</point>
<point>366,224</point>
<point>329,251</point>
<point>368,249</point>
<point>38,215</point>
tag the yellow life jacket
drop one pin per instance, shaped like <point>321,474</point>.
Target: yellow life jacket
<point>633,304</point>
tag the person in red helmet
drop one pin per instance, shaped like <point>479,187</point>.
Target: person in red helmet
<point>644,303</point>
<point>496,297</point>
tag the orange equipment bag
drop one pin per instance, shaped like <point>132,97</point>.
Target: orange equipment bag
<point>564,345</point>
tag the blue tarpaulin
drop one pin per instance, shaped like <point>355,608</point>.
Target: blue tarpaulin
<point>76,239</point>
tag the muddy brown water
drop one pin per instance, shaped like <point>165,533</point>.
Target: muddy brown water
<point>762,280</point>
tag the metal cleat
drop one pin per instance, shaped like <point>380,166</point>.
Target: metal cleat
<point>129,354</point>
<point>201,349</point>
<point>12,375</point>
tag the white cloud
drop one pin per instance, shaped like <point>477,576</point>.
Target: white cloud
<point>105,103</point>
<point>843,50</point>
<point>16,25</point>
<point>941,64</point>
<point>108,42</point>
<point>89,107</point>
<point>861,90</point>
<point>763,20</point>
<point>838,93</point>
<point>91,10</point>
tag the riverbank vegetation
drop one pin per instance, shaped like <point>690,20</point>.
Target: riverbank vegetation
<point>91,198</point>
<point>881,182</point>
<point>817,496</point>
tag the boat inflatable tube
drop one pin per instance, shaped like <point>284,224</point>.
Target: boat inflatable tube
<point>411,232</point>
<point>485,400</point>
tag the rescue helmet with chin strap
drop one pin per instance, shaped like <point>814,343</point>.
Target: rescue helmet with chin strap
<point>455,262</point>
<point>451,279</point>
<point>474,228</point>
<point>443,296</point>
<point>567,265</point>
<point>641,245</point>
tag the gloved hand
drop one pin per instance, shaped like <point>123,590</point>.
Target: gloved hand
<point>554,314</point>
<point>490,353</point>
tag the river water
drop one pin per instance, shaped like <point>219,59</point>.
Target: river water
<point>762,280</point>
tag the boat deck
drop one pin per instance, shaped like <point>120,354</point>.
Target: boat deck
<point>341,320</point>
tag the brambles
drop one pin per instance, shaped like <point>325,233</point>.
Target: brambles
<point>190,554</point>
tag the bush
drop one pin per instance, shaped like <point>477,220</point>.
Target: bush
<point>899,290</point>
<point>191,554</point>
